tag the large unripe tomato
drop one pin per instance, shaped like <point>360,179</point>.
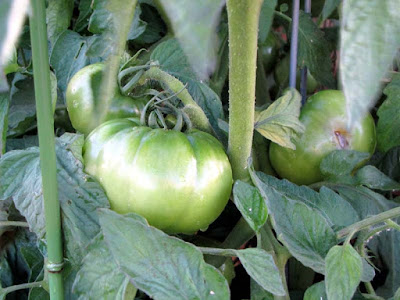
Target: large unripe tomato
<point>324,117</point>
<point>180,182</point>
<point>83,98</point>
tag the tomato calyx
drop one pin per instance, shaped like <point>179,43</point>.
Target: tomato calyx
<point>160,112</point>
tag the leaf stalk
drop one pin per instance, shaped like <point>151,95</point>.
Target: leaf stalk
<point>379,218</point>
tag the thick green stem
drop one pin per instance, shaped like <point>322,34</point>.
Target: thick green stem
<point>192,109</point>
<point>243,18</point>
<point>382,217</point>
<point>41,73</point>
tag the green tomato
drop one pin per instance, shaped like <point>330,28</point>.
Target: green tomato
<point>269,52</point>
<point>324,117</point>
<point>180,182</point>
<point>281,76</point>
<point>83,99</point>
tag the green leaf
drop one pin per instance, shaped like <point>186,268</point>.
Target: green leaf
<point>26,141</point>
<point>99,276</point>
<point>20,260</point>
<point>316,292</point>
<point>14,167</point>
<point>84,11</point>
<point>343,272</point>
<point>69,274</point>
<point>4,104</point>
<point>364,201</point>
<point>22,109</point>
<point>137,26</point>
<point>194,24</point>
<point>397,295</point>
<point>38,294</point>
<point>386,247</point>
<point>172,60</point>
<point>218,79</point>
<point>369,42</point>
<point>368,272</point>
<point>280,121</point>
<point>266,18</point>
<point>314,51</point>
<point>389,163</point>
<point>250,204</point>
<point>74,143</point>
<point>79,196</point>
<point>58,17</point>
<point>303,230</point>
<point>341,163</point>
<point>387,131</point>
<point>163,267</point>
<point>68,56</point>
<point>12,18</point>
<point>147,27</point>
<point>328,9</point>
<point>337,211</point>
<point>260,265</point>
<point>258,293</point>
<point>371,177</point>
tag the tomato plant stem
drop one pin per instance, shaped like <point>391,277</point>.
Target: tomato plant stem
<point>41,73</point>
<point>218,251</point>
<point>14,223</point>
<point>13,288</point>
<point>243,18</point>
<point>283,16</point>
<point>382,217</point>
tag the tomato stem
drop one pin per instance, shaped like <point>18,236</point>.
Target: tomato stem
<point>14,223</point>
<point>243,18</point>
<point>13,288</point>
<point>379,218</point>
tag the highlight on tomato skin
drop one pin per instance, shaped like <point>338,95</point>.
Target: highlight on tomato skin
<point>83,99</point>
<point>180,182</point>
<point>325,121</point>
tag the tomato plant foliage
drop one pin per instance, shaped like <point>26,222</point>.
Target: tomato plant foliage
<point>146,77</point>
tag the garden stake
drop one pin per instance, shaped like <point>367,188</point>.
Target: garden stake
<point>303,80</point>
<point>293,44</point>
<point>41,72</point>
